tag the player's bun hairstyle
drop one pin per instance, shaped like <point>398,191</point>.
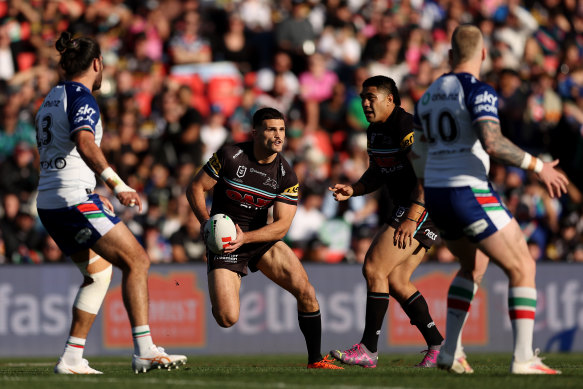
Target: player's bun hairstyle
<point>76,54</point>
<point>384,84</point>
<point>266,114</point>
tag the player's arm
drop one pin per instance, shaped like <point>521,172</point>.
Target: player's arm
<point>502,149</point>
<point>195,193</point>
<point>95,160</point>
<point>283,215</point>
<point>368,183</point>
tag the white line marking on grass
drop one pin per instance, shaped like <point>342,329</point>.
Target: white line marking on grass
<point>201,383</point>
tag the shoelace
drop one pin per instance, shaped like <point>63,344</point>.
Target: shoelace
<point>354,351</point>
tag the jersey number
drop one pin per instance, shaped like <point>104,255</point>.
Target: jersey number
<point>446,127</point>
<point>43,131</point>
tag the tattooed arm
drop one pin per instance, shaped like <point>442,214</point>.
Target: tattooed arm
<point>497,145</point>
<point>502,149</point>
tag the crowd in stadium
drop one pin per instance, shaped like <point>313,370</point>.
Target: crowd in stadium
<point>182,78</point>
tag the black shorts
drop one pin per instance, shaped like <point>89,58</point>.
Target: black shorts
<point>426,233</point>
<point>246,256</point>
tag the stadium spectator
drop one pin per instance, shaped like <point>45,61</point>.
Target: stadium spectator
<point>143,45</point>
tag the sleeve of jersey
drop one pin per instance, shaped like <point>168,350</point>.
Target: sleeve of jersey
<point>214,165</point>
<point>406,132</point>
<point>483,104</point>
<point>291,189</point>
<point>83,114</point>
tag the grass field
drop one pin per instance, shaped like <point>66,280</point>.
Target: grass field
<point>289,372</point>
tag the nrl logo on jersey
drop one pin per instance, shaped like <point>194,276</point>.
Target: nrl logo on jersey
<point>241,171</point>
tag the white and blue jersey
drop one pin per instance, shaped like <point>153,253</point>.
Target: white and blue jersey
<point>74,217</point>
<point>64,176</point>
<point>447,111</point>
<point>458,196</point>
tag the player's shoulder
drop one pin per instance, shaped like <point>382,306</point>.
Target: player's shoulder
<point>236,150</point>
<point>405,118</point>
<point>473,86</point>
<point>286,170</point>
<point>78,94</point>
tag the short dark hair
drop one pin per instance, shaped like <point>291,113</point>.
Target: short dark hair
<point>76,54</point>
<point>266,114</point>
<point>384,84</point>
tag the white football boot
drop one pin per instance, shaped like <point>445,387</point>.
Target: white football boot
<point>534,365</point>
<point>156,358</point>
<point>82,368</point>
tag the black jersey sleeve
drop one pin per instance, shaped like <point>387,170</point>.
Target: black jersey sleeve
<point>406,128</point>
<point>215,164</point>
<point>289,186</point>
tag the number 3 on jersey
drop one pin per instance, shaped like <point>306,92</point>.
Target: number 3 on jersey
<point>43,131</point>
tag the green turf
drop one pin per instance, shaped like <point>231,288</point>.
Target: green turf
<point>289,372</point>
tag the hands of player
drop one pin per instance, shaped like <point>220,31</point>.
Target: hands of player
<point>106,203</point>
<point>404,233</point>
<point>341,192</point>
<point>238,242</point>
<point>130,199</point>
<point>554,180</point>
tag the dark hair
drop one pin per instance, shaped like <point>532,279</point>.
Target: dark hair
<point>384,84</point>
<point>266,114</point>
<point>76,54</point>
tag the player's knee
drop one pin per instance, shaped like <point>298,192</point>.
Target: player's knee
<point>225,319</point>
<point>136,262</point>
<point>398,290</point>
<point>93,290</point>
<point>305,294</point>
<point>521,270</point>
<point>371,272</point>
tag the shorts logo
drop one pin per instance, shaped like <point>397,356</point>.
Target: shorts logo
<point>108,211</point>
<point>241,171</point>
<point>430,234</point>
<point>476,227</point>
<point>83,235</point>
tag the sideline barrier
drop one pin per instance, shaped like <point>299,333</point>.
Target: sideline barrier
<point>35,303</point>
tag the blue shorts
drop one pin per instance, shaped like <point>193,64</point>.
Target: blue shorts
<point>78,227</point>
<point>466,211</point>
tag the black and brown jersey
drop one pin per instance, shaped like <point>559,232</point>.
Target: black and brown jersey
<point>245,188</point>
<point>388,144</point>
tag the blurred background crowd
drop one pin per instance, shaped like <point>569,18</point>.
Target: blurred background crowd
<point>182,78</point>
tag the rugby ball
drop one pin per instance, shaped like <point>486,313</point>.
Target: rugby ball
<point>219,230</point>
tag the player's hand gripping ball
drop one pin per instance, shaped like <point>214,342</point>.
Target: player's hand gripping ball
<point>219,230</point>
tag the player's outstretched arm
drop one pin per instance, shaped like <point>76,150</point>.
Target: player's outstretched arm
<point>502,149</point>
<point>341,192</point>
<point>195,194</point>
<point>94,158</point>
